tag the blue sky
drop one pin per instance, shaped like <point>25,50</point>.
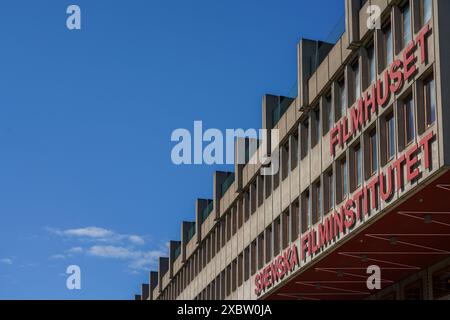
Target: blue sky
<point>86,117</point>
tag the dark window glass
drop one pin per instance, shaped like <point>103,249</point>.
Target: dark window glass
<point>328,191</point>
<point>316,129</point>
<point>430,101</point>
<point>371,64</point>
<point>357,166</point>
<point>390,136</point>
<point>408,120</point>
<point>388,46</point>
<point>328,116</point>
<point>344,178</point>
<point>406,25</point>
<point>441,283</point>
<point>373,158</point>
<point>305,138</point>
<point>356,81</point>
<point>414,291</point>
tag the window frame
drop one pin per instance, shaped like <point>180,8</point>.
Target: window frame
<point>373,154</point>
<point>388,38</point>
<point>406,6</point>
<point>429,94</point>
<point>408,109</point>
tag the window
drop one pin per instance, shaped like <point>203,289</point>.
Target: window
<point>260,186</point>
<point>429,97</point>
<point>223,231</point>
<point>204,251</point>
<point>328,190</point>
<point>222,286</point>
<point>317,198</point>
<point>414,291</point>
<point>426,11</point>
<point>407,120</point>
<point>305,138</point>
<point>228,220</point>
<point>240,215</point>
<point>295,221</point>
<point>356,81</point>
<point>276,236</point>
<point>252,197</point>
<point>373,152</point>
<point>253,253</point>
<point>276,179</point>
<point>246,200</point>
<point>246,263</point>
<point>390,136</point>
<point>213,243</point>
<point>342,180</point>
<point>285,229</point>
<point>441,283</point>
<point>328,114</point>
<point>213,290</point>
<point>218,237</point>
<point>240,275</point>
<point>217,287</point>
<point>234,220</point>
<point>228,280</point>
<point>261,250</point>
<point>342,94</point>
<point>357,167</point>
<point>371,67</point>
<point>208,250</point>
<point>406,24</point>
<point>285,161</point>
<point>315,134</point>
<point>233,275</point>
<point>306,211</point>
<point>388,46</point>
<point>268,183</point>
<point>268,238</point>
<point>294,151</point>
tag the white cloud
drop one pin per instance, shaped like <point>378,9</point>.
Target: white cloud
<point>139,260</point>
<point>6,261</point>
<point>89,232</point>
<point>105,243</point>
<point>110,252</point>
<point>98,234</point>
<point>75,250</point>
<point>146,260</point>
<point>136,239</point>
<point>67,254</point>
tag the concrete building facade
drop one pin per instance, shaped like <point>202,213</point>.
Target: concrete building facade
<point>364,176</point>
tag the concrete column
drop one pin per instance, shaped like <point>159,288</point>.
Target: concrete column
<point>173,245</point>
<point>153,283</point>
<point>219,178</point>
<point>145,291</point>
<point>239,159</point>
<point>163,267</point>
<point>200,205</point>
<point>185,226</point>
